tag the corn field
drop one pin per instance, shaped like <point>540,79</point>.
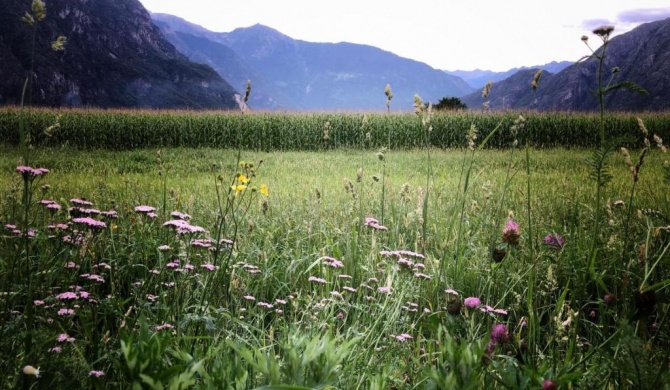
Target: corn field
<point>125,130</point>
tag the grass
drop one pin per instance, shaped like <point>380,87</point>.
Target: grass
<point>560,328</point>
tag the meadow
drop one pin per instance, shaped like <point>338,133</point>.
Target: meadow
<point>359,259</point>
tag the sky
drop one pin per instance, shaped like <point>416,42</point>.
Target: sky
<point>452,35</point>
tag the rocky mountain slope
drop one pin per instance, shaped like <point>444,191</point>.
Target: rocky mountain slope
<point>642,56</point>
<point>114,57</point>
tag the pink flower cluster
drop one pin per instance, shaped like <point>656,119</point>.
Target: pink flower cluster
<point>30,171</point>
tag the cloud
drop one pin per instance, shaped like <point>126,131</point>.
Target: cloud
<point>592,24</point>
<point>643,15</point>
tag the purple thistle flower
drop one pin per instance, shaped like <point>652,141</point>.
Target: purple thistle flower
<point>499,334</point>
<point>96,373</point>
<point>511,232</point>
<point>554,240</point>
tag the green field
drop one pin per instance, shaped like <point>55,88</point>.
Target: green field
<point>275,308</point>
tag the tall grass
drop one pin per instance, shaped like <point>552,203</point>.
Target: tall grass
<point>206,331</point>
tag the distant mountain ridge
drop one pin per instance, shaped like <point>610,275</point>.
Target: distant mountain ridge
<point>642,56</point>
<point>114,57</point>
<point>478,78</point>
<point>292,74</point>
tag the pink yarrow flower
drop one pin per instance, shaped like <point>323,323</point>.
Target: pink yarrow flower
<point>90,222</point>
<point>145,209</point>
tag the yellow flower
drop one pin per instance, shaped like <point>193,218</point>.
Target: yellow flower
<point>238,188</point>
<point>243,179</point>
<point>264,190</point>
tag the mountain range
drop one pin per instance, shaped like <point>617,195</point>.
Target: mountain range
<point>640,56</point>
<point>119,55</point>
<point>114,57</point>
<point>478,78</point>
<point>292,74</point>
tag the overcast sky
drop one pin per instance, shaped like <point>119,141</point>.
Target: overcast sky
<point>446,34</point>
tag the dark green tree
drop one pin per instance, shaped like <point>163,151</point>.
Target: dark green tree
<point>450,104</point>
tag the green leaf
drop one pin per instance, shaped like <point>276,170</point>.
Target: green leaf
<point>627,85</point>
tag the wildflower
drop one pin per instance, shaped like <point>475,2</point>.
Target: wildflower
<point>499,334</point>
<point>145,209</point>
<point>90,222</point>
<point>265,305</point>
<point>374,224</point>
<point>65,312</point>
<point>37,302</point>
<point>511,232</point>
<point>208,266</point>
<point>238,188</point>
<point>344,276</point>
<point>109,214</point>
<point>178,215</point>
<point>249,298</point>
<point>67,295</point>
<point>548,384</point>
<point>554,240</point>
<point>384,290</point>
<point>317,280</point>
<point>451,291</point>
<point>280,301</point>
<point>63,337</point>
<point>96,374</point>
<point>30,370</point>
<point>603,31</point>
<point>349,288</point>
<point>55,349</point>
<point>332,262</point>
<point>31,172</point>
<point>403,337</point>
<point>264,190</point>
<point>96,278</point>
<point>472,302</point>
<point>162,326</point>
<point>81,202</point>
<point>164,248</point>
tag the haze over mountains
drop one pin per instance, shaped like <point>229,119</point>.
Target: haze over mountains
<point>116,57</point>
<point>293,74</point>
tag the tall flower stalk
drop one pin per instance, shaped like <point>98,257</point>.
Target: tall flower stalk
<point>599,159</point>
